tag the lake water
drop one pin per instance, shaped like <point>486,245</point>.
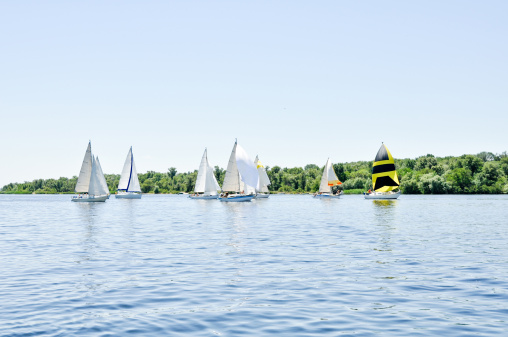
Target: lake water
<point>291,265</point>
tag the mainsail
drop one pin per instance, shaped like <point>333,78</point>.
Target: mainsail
<point>329,178</point>
<point>201,178</point>
<point>232,178</point>
<point>264,181</point>
<point>85,172</point>
<point>384,176</point>
<point>129,181</point>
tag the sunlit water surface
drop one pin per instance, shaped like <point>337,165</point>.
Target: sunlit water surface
<point>166,265</point>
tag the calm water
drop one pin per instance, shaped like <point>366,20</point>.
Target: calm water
<point>287,266</point>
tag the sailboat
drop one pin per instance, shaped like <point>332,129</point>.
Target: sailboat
<point>328,179</point>
<point>384,176</point>
<point>89,180</point>
<point>206,184</point>
<point>264,181</point>
<point>128,187</point>
<point>241,169</point>
<point>101,175</point>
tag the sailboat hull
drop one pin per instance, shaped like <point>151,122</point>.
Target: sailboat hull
<point>237,198</point>
<point>262,195</point>
<point>382,195</point>
<point>91,198</point>
<point>327,196</point>
<point>204,197</point>
<point>128,195</point>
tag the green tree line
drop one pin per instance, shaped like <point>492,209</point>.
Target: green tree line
<point>483,173</point>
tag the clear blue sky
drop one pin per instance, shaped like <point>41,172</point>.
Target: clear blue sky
<point>295,81</point>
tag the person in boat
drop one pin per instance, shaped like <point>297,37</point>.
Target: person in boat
<point>369,191</point>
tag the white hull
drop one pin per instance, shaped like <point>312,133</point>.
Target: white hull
<point>91,198</point>
<point>382,195</point>
<point>237,198</point>
<point>327,196</point>
<point>128,195</point>
<point>204,197</point>
<point>262,195</point>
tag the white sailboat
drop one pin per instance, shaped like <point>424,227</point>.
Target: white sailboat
<point>128,186</point>
<point>328,179</point>
<point>241,169</point>
<point>101,175</point>
<point>89,181</point>
<point>206,184</point>
<point>264,181</point>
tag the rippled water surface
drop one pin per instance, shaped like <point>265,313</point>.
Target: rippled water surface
<point>166,265</point>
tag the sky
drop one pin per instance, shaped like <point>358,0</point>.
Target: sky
<point>295,82</point>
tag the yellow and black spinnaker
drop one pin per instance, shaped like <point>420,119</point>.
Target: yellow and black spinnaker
<point>384,176</point>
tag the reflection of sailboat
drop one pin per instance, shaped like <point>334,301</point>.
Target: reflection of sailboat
<point>90,180</point>
<point>264,181</point>
<point>384,176</point>
<point>328,179</point>
<point>128,187</point>
<point>206,184</point>
<point>241,169</point>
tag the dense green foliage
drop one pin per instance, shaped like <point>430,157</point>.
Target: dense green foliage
<point>482,173</point>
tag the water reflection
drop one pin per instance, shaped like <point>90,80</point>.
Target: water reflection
<point>385,203</point>
<point>89,247</point>
<point>384,220</point>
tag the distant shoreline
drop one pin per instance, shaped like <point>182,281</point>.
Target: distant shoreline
<point>483,173</point>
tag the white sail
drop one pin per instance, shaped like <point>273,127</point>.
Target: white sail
<point>217,186</point>
<point>248,171</point>
<point>232,178</point>
<point>206,181</point>
<point>134,180</point>
<point>202,175</point>
<point>101,175</point>
<point>85,172</point>
<point>95,187</point>
<point>324,187</point>
<point>126,172</point>
<point>211,185</point>
<point>264,181</point>
<point>246,188</point>
<point>129,179</point>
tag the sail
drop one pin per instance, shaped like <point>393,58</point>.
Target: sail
<point>248,171</point>
<point>101,175</point>
<point>264,181</point>
<point>329,178</point>
<point>232,178</point>
<point>384,176</point>
<point>129,181</point>
<point>134,180</point>
<point>85,172</point>
<point>202,173</point>
<point>95,187</point>
<point>217,186</point>
<point>126,172</point>
<point>211,185</point>
<point>246,188</point>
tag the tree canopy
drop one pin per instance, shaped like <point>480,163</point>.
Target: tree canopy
<point>484,173</point>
